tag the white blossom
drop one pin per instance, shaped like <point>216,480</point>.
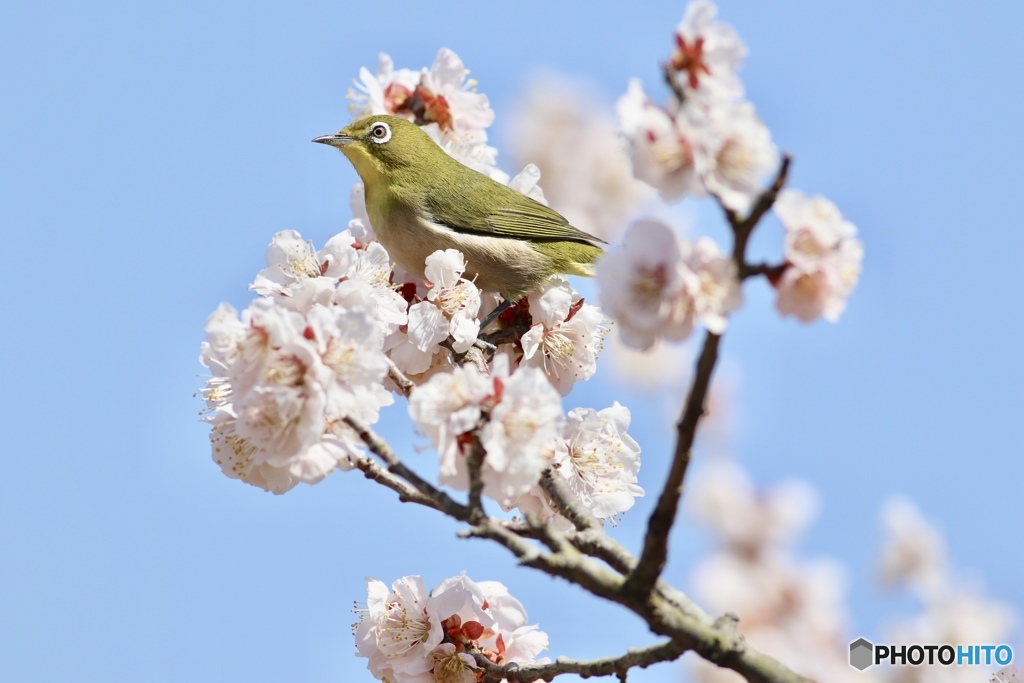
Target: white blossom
<point>666,147</point>
<point>525,420</point>
<point>599,461</point>
<point>359,225</point>
<point>714,287</point>
<point>566,335</point>
<point>658,286</point>
<point>396,633</point>
<point>740,153</point>
<point>441,99</point>
<point>457,298</point>
<point>725,498</point>
<point>642,287</point>
<point>445,407</point>
<point>913,551</point>
<point>300,359</point>
<point>823,258</point>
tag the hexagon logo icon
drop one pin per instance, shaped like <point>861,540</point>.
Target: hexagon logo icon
<point>861,654</point>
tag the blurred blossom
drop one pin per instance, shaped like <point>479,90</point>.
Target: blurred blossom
<point>559,127</point>
<point>662,366</point>
<point>740,154</point>
<point>659,286</point>
<point>823,258</point>
<point>796,609</point>
<point>665,147</point>
<point>913,552</point>
<point>746,518</point>
<point>704,140</point>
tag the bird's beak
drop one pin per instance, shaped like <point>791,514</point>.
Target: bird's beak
<point>334,140</point>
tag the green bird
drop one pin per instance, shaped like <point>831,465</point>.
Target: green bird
<point>420,199</point>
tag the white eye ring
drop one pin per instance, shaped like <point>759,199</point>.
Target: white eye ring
<point>380,132</point>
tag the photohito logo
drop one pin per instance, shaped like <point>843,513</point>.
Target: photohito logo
<point>863,654</point>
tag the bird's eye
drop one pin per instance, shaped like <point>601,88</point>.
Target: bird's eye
<point>380,133</point>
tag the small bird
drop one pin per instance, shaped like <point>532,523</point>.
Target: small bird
<point>420,199</point>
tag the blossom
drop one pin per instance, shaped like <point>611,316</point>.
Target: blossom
<point>641,286</point>
<point>740,154</point>
<point>659,286</point>
<point>526,419</point>
<point>823,258</point>
<point>566,335</point>
<point>913,551</point>
<point>395,631</point>
<point>666,147</point>
<point>524,416</point>
<point>598,462</point>
<point>445,407</point>
<point>449,309</point>
<point>745,518</point>
<point>307,354</point>
<point>457,299</point>
<point>714,287</point>
<point>707,55</point>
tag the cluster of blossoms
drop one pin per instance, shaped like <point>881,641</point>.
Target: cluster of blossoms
<point>292,366</point>
<point>517,420</point>
<point>795,608</point>
<point>316,349</point>
<point>412,636</point>
<point>705,140</point>
<point>659,286</point>
<point>823,258</point>
<point>440,99</point>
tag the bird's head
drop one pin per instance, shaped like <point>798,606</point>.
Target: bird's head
<point>381,146</point>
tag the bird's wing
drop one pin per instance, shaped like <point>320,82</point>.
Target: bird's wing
<point>519,216</point>
<point>535,221</point>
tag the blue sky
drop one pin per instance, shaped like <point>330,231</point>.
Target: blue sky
<point>151,150</point>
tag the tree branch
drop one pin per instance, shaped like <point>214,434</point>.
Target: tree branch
<point>665,610</point>
<point>655,551</point>
<point>405,385</point>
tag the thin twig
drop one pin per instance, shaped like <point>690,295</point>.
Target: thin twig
<point>474,463</point>
<point>609,666</point>
<point>772,272</point>
<point>382,450</point>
